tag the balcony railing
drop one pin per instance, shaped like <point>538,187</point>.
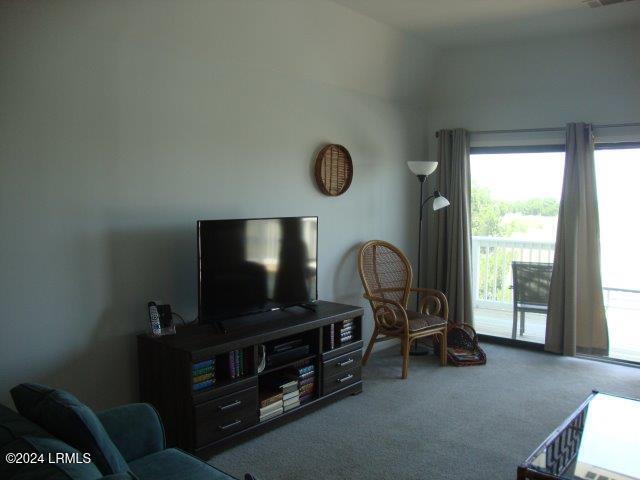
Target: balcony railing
<point>493,299</point>
<point>492,275</point>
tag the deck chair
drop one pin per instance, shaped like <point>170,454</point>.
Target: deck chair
<point>531,283</point>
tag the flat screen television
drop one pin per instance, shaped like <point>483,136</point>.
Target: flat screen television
<point>255,265</point>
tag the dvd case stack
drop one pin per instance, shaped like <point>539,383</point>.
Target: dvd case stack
<point>306,381</point>
<point>237,364</point>
<point>345,333</point>
<point>203,374</point>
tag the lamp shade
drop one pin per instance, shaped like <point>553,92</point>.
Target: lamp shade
<point>422,168</point>
<point>440,202</point>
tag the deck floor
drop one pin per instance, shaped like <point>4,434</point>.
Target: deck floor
<point>624,329</point>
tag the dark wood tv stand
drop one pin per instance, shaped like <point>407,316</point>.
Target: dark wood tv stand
<point>208,420</point>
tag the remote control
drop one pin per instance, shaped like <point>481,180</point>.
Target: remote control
<point>154,318</point>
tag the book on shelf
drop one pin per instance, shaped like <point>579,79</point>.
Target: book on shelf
<point>202,378</point>
<point>290,395</point>
<point>289,401</point>
<point>305,398</point>
<point>202,371</point>
<point>307,381</point>
<point>330,336</point>
<point>289,387</point>
<point>270,397</point>
<point>271,415</point>
<point>203,364</point>
<point>304,376</point>
<point>202,385</point>
<point>274,407</point>
<point>292,405</point>
<point>308,388</point>
<point>305,369</point>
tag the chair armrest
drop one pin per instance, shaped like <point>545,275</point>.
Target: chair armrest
<point>441,303</point>
<point>136,429</point>
<point>386,316</point>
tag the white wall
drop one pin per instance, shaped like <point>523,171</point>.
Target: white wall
<point>122,123</point>
<point>537,83</point>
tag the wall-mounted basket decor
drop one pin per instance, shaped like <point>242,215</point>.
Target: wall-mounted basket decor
<point>334,170</point>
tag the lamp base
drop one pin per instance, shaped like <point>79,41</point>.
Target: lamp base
<point>419,349</point>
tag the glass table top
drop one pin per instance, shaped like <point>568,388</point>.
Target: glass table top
<point>601,442</point>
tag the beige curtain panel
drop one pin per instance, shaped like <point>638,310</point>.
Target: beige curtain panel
<point>576,322</point>
<point>452,235</point>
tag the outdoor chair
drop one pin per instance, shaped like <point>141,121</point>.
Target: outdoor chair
<point>531,282</point>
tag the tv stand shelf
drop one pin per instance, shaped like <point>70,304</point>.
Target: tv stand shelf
<point>228,411</point>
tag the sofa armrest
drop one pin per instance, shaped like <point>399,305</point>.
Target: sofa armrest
<point>136,429</point>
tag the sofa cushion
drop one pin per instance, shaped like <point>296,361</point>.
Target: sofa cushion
<point>65,417</point>
<point>14,426</point>
<point>40,458</point>
<point>172,464</point>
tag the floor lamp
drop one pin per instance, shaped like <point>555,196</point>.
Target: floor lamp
<point>422,170</point>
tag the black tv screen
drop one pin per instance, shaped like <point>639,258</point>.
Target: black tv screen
<point>254,265</point>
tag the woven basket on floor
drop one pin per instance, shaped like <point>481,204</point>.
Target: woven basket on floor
<point>463,337</point>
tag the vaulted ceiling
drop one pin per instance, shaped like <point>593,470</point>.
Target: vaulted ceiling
<point>465,22</point>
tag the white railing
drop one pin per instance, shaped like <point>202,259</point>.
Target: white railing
<point>492,276</point>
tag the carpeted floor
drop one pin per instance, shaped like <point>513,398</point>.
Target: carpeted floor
<point>441,423</point>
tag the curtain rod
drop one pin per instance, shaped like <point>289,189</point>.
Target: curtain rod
<point>551,129</point>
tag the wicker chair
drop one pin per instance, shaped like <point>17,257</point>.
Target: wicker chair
<point>386,276</point>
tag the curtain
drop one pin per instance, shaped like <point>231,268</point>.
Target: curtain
<point>452,232</point>
<point>576,322</point>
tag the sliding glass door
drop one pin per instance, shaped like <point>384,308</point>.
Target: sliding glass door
<point>515,198</point>
<point>617,173</point>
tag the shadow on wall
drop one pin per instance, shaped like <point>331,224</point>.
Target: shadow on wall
<point>142,265</point>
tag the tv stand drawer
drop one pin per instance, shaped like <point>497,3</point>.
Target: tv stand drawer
<point>341,364</point>
<point>341,380</point>
<point>225,415</point>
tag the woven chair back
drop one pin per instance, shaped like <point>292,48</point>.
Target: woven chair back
<point>385,272</point>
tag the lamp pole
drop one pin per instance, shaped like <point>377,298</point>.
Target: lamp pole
<point>422,169</point>
<point>422,179</point>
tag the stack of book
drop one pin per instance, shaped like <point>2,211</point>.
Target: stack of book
<point>203,374</point>
<point>345,332</point>
<point>237,367</point>
<point>306,382</point>
<point>330,336</point>
<point>271,404</point>
<point>290,395</point>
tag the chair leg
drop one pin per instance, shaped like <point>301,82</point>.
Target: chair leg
<point>515,322</point>
<point>374,335</point>
<point>443,348</point>
<point>406,345</point>
<point>522,322</point>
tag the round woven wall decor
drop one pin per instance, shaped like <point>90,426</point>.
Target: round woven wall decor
<point>334,170</point>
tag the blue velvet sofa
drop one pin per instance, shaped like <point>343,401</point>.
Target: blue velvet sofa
<point>55,436</point>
